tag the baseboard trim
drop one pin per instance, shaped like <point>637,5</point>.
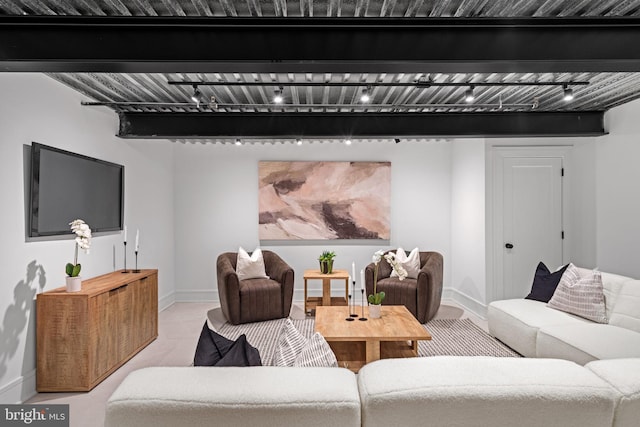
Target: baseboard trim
<point>471,304</point>
<point>166,301</point>
<point>194,295</point>
<point>19,390</point>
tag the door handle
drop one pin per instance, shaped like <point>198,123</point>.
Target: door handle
<point>508,246</point>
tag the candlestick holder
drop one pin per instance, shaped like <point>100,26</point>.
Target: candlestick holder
<point>362,299</point>
<point>350,319</point>
<point>354,314</point>
<point>125,258</point>
<point>136,270</point>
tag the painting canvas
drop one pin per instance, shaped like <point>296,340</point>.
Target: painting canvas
<point>324,200</point>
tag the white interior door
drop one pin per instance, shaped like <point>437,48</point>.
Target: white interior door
<point>531,220</point>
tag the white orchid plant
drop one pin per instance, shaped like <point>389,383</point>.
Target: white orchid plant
<point>377,297</point>
<point>83,241</point>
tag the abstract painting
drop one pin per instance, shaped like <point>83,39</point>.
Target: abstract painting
<point>324,200</point>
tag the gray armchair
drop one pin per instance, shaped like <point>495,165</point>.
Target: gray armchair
<point>421,296</point>
<point>254,300</point>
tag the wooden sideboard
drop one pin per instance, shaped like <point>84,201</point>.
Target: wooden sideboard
<point>82,337</point>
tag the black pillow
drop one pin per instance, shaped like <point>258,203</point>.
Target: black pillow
<point>241,353</point>
<point>211,347</point>
<point>545,283</point>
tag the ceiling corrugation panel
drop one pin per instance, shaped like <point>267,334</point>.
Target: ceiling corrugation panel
<point>151,92</point>
<point>333,8</point>
<point>604,91</point>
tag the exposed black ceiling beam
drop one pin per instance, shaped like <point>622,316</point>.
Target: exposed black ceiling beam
<point>358,125</point>
<point>187,44</point>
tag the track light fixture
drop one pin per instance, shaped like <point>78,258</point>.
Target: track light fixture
<point>567,93</point>
<point>366,97</point>
<point>278,99</point>
<point>469,97</point>
<point>238,141</point>
<point>197,96</point>
<point>298,141</point>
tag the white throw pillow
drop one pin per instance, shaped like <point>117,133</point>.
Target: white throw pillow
<point>250,267</point>
<point>410,263</point>
<point>317,352</point>
<point>580,292</point>
<point>290,345</point>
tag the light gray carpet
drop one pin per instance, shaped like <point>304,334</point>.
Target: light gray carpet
<point>453,337</point>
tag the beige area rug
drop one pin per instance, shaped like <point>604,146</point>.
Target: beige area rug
<point>451,337</point>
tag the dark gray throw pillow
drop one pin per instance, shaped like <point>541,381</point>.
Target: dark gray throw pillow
<point>241,353</point>
<point>545,283</point>
<point>215,350</point>
<point>211,347</point>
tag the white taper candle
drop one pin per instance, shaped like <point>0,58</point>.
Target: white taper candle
<point>353,271</point>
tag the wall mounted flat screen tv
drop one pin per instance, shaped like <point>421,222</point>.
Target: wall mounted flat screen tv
<point>67,186</point>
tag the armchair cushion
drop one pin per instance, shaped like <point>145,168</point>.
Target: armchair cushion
<point>250,267</point>
<point>411,263</point>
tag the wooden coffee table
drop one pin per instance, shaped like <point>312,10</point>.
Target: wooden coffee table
<point>395,334</point>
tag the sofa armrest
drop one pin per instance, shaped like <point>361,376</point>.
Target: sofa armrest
<point>624,376</point>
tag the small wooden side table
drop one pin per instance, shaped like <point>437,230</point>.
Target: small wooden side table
<point>312,302</point>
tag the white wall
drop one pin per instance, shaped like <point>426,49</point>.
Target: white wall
<point>618,192</point>
<point>217,207</point>
<point>468,223</point>
<point>36,108</point>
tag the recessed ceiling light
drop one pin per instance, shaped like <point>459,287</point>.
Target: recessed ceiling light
<point>365,97</point>
<point>347,142</point>
<point>278,98</point>
<point>567,94</point>
<point>469,97</point>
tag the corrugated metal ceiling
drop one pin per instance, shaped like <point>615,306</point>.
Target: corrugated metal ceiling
<point>605,90</point>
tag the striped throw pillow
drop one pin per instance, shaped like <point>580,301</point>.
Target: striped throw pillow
<point>316,353</point>
<point>580,293</point>
<point>290,343</point>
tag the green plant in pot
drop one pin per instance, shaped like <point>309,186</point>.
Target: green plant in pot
<point>326,262</point>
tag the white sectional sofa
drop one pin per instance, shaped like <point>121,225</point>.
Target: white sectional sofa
<point>427,392</point>
<point>535,330</point>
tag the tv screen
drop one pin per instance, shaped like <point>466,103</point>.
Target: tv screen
<point>67,186</point>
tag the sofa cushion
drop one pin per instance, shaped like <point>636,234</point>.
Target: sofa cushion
<point>266,396</point>
<point>624,376</point>
<point>515,322</point>
<point>626,311</point>
<point>482,391</point>
<point>581,294</point>
<point>585,342</point>
<point>545,283</point>
<point>612,283</point>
